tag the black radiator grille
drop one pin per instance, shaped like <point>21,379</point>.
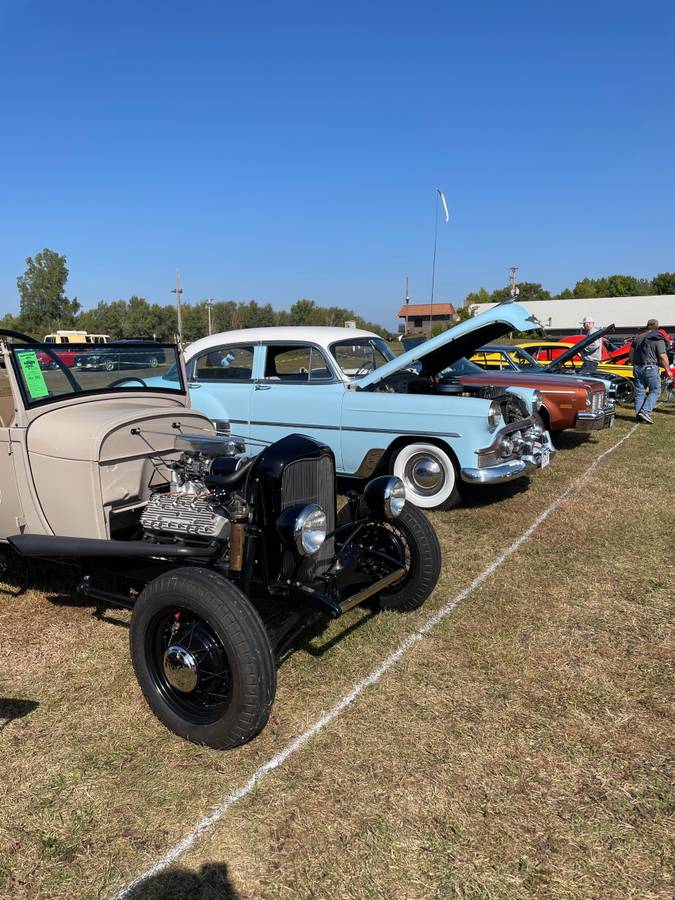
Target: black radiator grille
<point>312,481</point>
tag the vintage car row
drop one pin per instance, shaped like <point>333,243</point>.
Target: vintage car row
<point>407,416</point>
<point>224,559</point>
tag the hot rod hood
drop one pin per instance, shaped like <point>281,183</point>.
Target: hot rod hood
<point>441,351</point>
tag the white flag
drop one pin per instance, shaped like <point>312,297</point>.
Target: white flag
<point>445,205</point>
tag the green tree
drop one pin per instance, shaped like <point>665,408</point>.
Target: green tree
<point>465,312</point>
<point>664,283</point>
<point>43,305</point>
<point>302,312</point>
<point>613,286</point>
<point>527,290</point>
<point>480,296</point>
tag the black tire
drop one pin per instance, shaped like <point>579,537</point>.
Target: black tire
<point>225,708</point>
<point>410,532</point>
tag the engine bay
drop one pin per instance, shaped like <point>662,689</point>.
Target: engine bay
<point>409,382</point>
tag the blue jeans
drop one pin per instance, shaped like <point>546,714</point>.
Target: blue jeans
<point>646,377</point>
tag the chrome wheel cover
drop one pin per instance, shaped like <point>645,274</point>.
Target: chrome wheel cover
<point>424,474</point>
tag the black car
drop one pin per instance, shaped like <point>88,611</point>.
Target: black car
<point>122,354</point>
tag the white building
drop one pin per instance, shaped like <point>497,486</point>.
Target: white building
<point>629,314</point>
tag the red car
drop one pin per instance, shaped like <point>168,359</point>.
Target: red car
<point>610,353</point>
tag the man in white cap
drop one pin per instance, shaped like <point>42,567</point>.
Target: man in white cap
<point>593,352</point>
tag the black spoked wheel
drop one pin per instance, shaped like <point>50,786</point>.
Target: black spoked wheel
<point>625,392</point>
<point>203,658</point>
<point>410,540</point>
<point>188,664</point>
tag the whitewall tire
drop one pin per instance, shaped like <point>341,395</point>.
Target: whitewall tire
<point>429,475</point>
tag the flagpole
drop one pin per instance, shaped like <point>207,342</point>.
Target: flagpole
<point>433,269</point>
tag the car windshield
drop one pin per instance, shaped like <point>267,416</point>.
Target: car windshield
<point>360,356</point>
<point>463,366</point>
<point>54,371</point>
<point>522,359</point>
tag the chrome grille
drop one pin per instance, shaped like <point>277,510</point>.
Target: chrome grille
<point>312,481</point>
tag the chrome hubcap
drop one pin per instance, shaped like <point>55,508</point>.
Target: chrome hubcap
<point>424,474</point>
<point>180,668</point>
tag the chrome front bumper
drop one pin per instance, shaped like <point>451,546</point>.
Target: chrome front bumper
<point>538,456</point>
<point>595,421</point>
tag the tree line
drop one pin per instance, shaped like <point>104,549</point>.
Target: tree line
<point>587,288</point>
<point>44,307</point>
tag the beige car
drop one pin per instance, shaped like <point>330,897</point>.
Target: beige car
<point>224,557</point>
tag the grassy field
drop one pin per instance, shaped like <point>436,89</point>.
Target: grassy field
<point>521,749</point>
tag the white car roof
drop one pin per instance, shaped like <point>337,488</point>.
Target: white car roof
<point>323,335</point>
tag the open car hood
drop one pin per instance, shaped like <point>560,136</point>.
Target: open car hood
<point>576,348</point>
<point>441,351</point>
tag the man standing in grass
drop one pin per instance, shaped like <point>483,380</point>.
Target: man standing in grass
<point>592,353</point>
<point>647,352</point>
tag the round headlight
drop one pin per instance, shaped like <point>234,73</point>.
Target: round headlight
<point>536,400</point>
<point>394,497</point>
<point>310,529</point>
<point>494,416</point>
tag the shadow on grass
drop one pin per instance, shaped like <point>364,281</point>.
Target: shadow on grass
<point>12,708</point>
<point>211,882</point>
<point>308,640</point>
<point>24,575</point>
<point>570,440</point>
<point>476,496</point>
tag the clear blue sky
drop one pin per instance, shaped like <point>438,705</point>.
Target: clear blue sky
<point>284,150</point>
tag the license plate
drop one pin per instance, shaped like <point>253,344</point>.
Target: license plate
<point>545,458</point>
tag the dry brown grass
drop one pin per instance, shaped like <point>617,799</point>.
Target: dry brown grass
<point>520,750</point>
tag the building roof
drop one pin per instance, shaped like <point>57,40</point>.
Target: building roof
<point>425,309</point>
<point>625,312</point>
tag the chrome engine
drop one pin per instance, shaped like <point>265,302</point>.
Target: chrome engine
<point>189,508</point>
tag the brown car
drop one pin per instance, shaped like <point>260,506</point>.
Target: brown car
<point>567,401</point>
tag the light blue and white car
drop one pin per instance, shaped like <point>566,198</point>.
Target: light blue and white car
<point>377,412</point>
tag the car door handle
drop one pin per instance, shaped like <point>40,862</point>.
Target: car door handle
<point>193,385</point>
<point>263,387</point>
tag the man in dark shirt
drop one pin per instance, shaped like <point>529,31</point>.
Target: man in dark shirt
<point>647,352</point>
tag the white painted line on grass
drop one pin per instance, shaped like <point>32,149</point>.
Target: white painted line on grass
<point>235,796</point>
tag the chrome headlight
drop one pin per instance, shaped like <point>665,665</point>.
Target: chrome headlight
<point>506,446</point>
<point>536,400</point>
<point>588,397</point>
<point>494,416</point>
<point>385,496</point>
<point>310,529</point>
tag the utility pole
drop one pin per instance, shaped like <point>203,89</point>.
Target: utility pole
<point>512,279</point>
<point>178,290</point>
<point>209,307</point>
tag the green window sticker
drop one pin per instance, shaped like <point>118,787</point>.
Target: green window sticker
<point>32,374</point>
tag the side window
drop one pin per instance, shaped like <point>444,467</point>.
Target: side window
<point>225,364</point>
<point>296,363</point>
